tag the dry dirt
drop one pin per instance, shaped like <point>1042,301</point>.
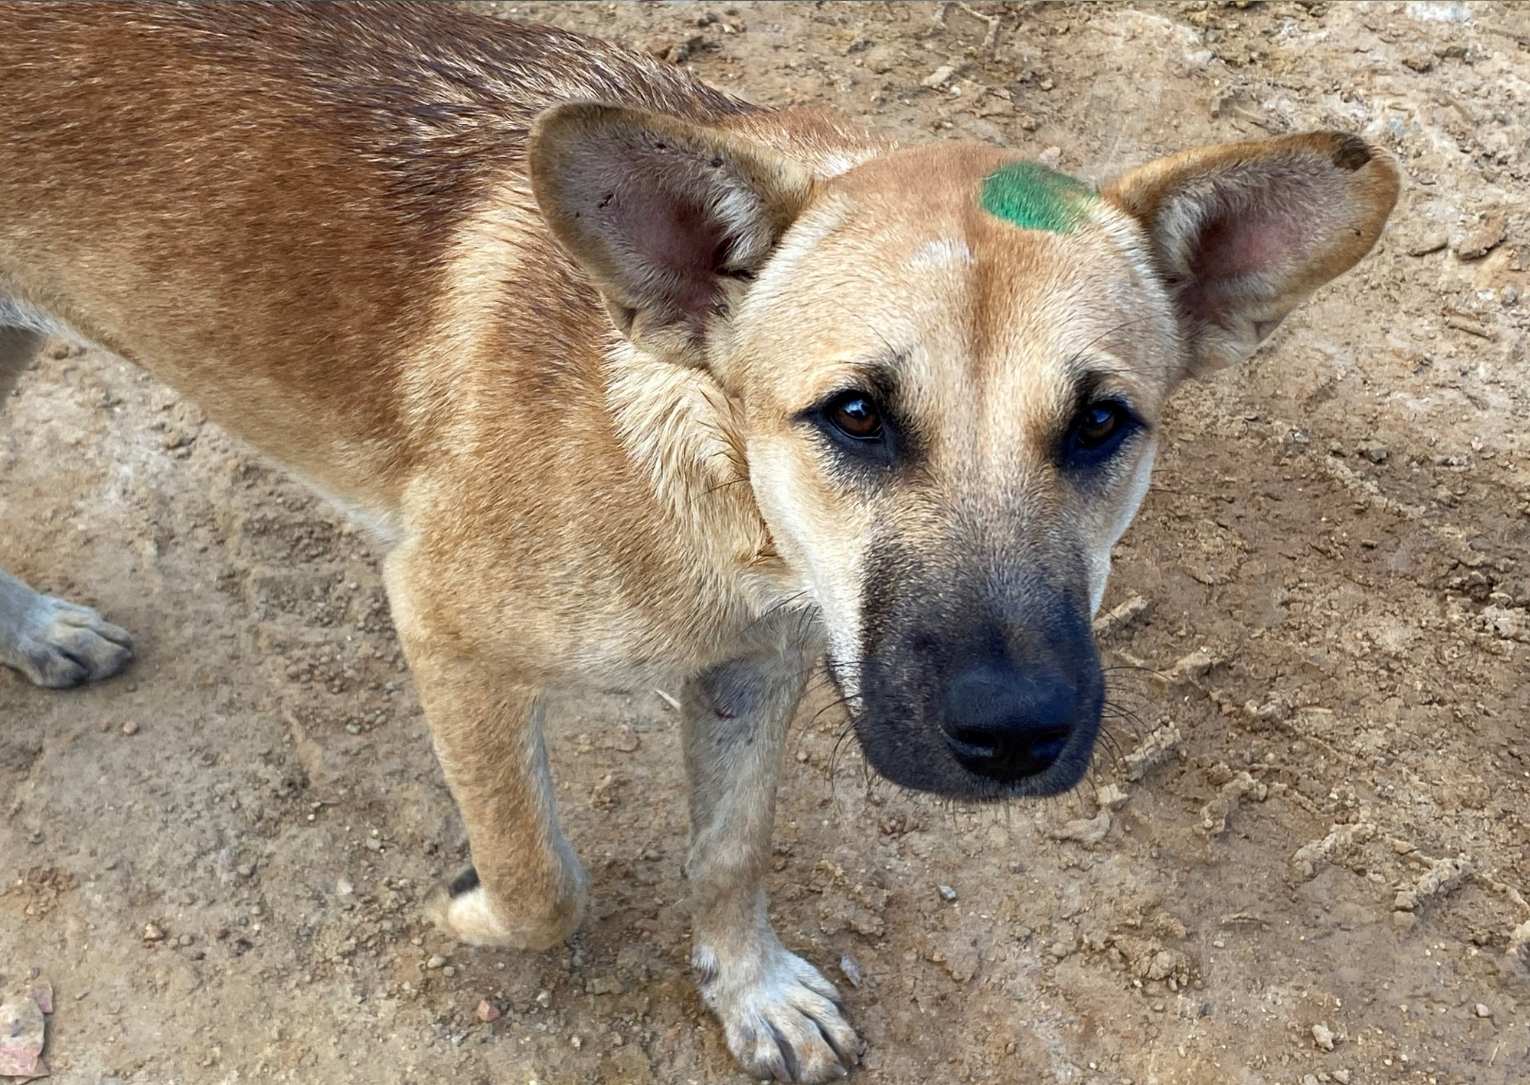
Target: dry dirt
<point>218,858</point>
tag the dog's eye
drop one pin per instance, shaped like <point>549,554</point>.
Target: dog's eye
<point>856,416</point>
<point>1098,430</point>
<point>1097,423</point>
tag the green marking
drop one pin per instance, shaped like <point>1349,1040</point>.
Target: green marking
<point>1033,197</point>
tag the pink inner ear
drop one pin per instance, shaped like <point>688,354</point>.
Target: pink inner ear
<point>676,244</point>
<point>1242,253</point>
<point>1233,246</point>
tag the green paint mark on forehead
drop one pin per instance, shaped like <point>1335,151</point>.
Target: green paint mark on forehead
<point>1033,197</point>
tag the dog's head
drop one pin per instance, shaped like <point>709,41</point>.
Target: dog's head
<point>947,368</point>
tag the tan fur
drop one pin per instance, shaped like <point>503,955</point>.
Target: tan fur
<point>589,466</point>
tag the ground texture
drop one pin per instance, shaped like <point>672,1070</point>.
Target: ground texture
<point>1305,860</point>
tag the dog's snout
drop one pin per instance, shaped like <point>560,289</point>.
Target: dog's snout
<point>1006,723</point>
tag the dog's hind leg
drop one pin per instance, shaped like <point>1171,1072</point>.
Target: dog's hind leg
<point>52,642</point>
<point>781,1018</point>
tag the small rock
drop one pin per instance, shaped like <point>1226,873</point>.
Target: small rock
<point>938,77</point>
<point>245,870</point>
<point>1441,878</point>
<point>1484,237</point>
<point>1194,665</point>
<point>1157,748</point>
<point>41,992</point>
<point>1376,453</point>
<point>1482,1010</point>
<point>1085,831</point>
<point>374,844</point>
<point>449,971</point>
<point>881,59</point>
<point>1111,797</point>
<point>487,1012</point>
<point>153,932</point>
<point>544,998</point>
<point>130,727</point>
<point>1161,966</point>
<point>21,1039</point>
<point>1427,242</point>
<point>1121,616</point>
<point>1341,1076</point>
<point>1322,1035</point>
<point>851,970</point>
<point>576,1041</point>
<point>436,961</point>
<point>1419,62</point>
<point>947,894</point>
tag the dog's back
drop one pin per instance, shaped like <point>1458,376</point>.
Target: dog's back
<point>182,182</point>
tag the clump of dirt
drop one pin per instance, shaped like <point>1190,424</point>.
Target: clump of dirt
<point>1305,853</point>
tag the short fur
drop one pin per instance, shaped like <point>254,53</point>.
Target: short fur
<point>564,328</point>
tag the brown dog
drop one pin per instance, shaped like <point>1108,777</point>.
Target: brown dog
<point>639,384</point>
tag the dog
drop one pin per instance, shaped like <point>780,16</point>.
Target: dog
<point>636,383</point>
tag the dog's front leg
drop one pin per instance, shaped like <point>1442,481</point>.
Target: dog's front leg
<point>781,1017</point>
<point>526,888</point>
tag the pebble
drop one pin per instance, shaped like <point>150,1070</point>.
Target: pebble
<point>21,1039</point>
<point>852,970</point>
<point>1482,1010</point>
<point>544,998</point>
<point>1322,1035</point>
<point>449,971</point>
<point>130,727</point>
<point>947,894</point>
<point>152,932</point>
<point>938,77</point>
<point>436,961</point>
<point>487,1012</point>
<point>1484,237</point>
<point>245,870</point>
<point>1341,1076</point>
<point>1426,243</point>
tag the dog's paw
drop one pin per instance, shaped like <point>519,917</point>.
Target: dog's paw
<point>465,909</point>
<point>57,644</point>
<point>781,1018</point>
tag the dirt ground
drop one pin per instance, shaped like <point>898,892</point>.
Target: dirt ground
<point>1304,861</point>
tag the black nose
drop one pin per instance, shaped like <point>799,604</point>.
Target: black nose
<point>1008,724</point>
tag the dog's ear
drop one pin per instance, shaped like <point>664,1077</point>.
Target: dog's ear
<point>1244,232</point>
<point>668,217</point>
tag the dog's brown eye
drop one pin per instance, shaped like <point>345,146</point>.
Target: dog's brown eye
<point>856,416</point>
<point>1097,423</point>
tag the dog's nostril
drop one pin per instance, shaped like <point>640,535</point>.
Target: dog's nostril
<point>1048,746</point>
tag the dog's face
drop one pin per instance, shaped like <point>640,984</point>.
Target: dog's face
<point>951,422</point>
<point>949,368</point>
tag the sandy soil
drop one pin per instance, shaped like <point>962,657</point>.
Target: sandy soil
<point>218,859</point>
